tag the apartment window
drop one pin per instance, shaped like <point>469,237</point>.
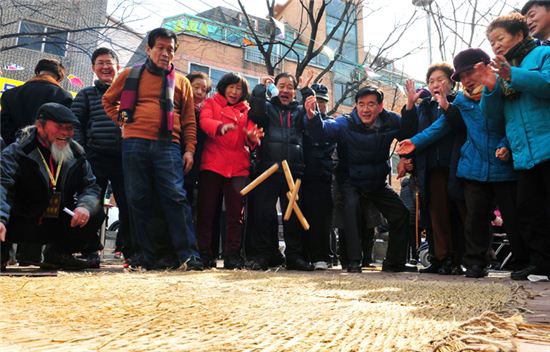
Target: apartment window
<point>49,42</point>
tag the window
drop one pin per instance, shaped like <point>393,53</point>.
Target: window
<point>50,42</point>
<point>339,90</point>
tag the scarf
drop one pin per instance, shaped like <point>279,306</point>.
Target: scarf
<point>129,95</point>
<point>475,95</point>
<point>514,57</point>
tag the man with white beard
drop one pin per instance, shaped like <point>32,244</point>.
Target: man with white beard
<point>42,173</point>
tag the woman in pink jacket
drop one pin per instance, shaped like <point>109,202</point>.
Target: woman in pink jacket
<point>225,165</point>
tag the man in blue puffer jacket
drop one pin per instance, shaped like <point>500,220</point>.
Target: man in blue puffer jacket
<point>368,134</point>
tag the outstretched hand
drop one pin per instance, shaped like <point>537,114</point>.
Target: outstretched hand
<point>255,134</point>
<point>487,75</point>
<point>406,146</point>
<point>405,165</point>
<point>310,106</point>
<point>308,80</point>
<point>412,94</point>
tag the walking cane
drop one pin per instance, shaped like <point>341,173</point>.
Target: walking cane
<point>416,213</point>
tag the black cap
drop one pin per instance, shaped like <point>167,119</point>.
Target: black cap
<point>466,60</point>
<point>57,113</point>
<point>321,91</point>
<point>528,5</point>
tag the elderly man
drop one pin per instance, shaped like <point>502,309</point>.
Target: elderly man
<point>538,19</point>
<point>42,173</point>
<point>154,104</point>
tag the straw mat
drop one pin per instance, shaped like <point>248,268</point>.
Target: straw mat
<point>240,311</point>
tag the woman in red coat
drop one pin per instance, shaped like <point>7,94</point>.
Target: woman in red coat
<point>225,165</point>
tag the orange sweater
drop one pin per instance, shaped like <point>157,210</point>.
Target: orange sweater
<point>146,123</point>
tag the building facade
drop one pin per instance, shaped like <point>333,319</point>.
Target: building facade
<point>65,30</point>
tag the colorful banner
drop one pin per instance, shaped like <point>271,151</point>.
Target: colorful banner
<point>8,83</point>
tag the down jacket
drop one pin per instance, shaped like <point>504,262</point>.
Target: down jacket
<point>227,155</point>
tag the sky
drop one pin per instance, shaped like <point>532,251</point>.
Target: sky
<point>383,16</point>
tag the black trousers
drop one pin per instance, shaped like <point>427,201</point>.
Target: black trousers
<point>105,169</point>
<point>534,213</point>
<point>391,207</point>
<point>262,236</point>
<point>317,209</point>
<point>480,200</point>
<point>57,232</point>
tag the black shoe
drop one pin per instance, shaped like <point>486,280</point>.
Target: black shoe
<point>524,273</point>
<point>258,263</point>
<point>476,271</point>
<point>62,261</point>
<point>392,268</point>
<point>298,264</point>
<point>165,263</point>
<point>354,267</point>
<point>457,270</point>
<point>446,267</point>
<point>432,269</point>
<point>207,261</point>
<point>28,263</point>
<point>193,263</point>
<point>276,260</point>
<point>233,261</point>
<point>3,266</point>
<point>93,259</point>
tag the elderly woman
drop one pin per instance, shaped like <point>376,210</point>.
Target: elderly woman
<point>519,83</point>
<point>433,165</point>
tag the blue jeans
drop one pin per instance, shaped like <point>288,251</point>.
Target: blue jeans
<point>155,165</point>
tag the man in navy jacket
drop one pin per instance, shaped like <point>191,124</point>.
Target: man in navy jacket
<point>368,134</point>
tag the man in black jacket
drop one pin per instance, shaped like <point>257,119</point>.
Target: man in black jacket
<point>19,107</point>
<point>42,173</point>
<point>101,139</point>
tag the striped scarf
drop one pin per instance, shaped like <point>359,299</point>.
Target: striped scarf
<point>129,95</point>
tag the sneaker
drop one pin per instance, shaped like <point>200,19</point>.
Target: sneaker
<point>233,261</point>
<point>207,261</point>
<point>476,271</point>
<point>118,255</point>
<point>320,265</point>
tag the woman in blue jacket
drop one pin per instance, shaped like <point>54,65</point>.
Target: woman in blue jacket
<point>488,179</point>
<point>519,83</point>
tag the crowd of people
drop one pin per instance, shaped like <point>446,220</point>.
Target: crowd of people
<point>177,158</point>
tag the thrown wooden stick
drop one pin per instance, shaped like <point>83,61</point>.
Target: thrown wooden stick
<point>292,200</point>
<point>288,176</point>
<point>299,213</point>
<point>260,179</point>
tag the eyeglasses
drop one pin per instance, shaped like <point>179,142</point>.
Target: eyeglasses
<point>105,63</point>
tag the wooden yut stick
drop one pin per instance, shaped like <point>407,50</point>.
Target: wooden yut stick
<point>292,199</point>
<point>288,176</point>
<point>260,179</point>
<point>299,213</point>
